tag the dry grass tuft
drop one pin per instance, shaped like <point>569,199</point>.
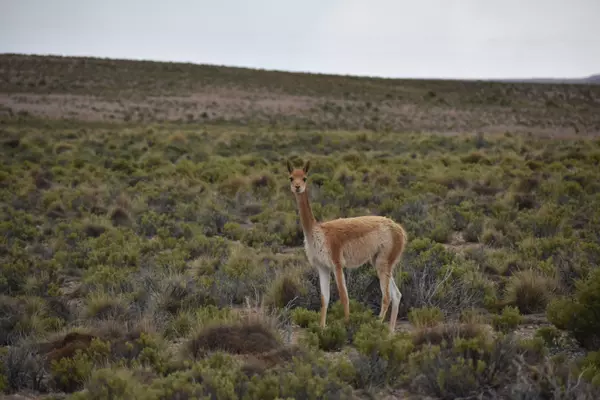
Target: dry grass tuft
<point>448,333</point>
<point>250,336</point>
<point>530,291</point>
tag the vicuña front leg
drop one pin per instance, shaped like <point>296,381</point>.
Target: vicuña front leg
<point>324,282</point>
<point>340,280</point>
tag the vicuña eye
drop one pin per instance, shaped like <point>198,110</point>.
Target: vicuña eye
<point>291,179</point>
<point>304,179</point>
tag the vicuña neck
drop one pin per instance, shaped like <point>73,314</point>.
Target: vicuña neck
<point>307,219</point>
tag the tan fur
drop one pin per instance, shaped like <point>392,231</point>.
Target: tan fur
<point>349,243</point>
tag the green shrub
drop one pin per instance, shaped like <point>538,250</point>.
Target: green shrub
<point>69,374</point>
<point>589,367</point>
<point>508,321</point>
<point>112,384</point>
<point>578,315</point>
<point>382,358</point>
<point>425,316</point>
<point>303,317</point>
<point>463,368</point>
<point>331,338</point>
<point>473,231</point>
<point>549,334</point>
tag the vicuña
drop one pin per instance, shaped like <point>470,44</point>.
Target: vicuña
<point>349,243</point>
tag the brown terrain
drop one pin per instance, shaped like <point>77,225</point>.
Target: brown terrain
<point>117,90</point>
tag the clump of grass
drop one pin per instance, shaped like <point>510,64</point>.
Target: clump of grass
<point>244,337</point>
<point>120,217</point>
<point>530,291</point>
<point>285,291</point>
<point>106,306</point>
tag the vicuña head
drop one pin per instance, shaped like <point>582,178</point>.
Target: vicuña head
<point>298,177</point>
<point>349,243</point>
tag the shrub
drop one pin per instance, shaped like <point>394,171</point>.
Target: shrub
<point>435,277</point>
<point>69,374</point>
<point>549,334</point>
<point>473,231</point>
<point>112,384</point>
<point>578,315</point>
<point>331,338</point>
<point>382,358</point>
<point>303,317</point>
<point>425,316</point>
<point>463,368</point>
<point>549,379</point>
<point>508,320</point>
<point>22,368</point>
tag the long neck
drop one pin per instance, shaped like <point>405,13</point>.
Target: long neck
<point>307,219</point>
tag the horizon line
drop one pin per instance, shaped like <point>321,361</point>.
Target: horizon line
<point>305,72</point>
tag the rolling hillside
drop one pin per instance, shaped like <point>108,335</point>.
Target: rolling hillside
<point>120,90</point>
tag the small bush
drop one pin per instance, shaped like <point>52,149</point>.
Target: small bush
<point>425,316</point>
<point>69,374</point>
<point>549,380</point>
<point>22,368</point>
<point>508,320</point>
<point>578,315</point>
<point>464,368</point>
<point>303,317</point>
<point>112,384</point>
<point>382,358</point>
<point>331,338</point>
<point>549,334</point>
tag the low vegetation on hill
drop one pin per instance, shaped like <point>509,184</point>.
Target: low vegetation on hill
<point>144,91</point>
<point>163,259</point>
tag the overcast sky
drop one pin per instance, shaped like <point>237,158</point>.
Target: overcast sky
<point>393,38</point>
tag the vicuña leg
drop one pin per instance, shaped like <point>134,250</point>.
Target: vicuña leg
<point>384,283</point>
<point>340,280</point>
<point>396,297</point>
<point>324,282</point>
<point>389,291</point>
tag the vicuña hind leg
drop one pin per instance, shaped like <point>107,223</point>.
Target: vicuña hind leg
<point>396,297</point>
<point>384,282</point>
<point>340,280</point>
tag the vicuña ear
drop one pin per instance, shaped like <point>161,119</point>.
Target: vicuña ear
<point>289,166</point>
<point>306,166</point>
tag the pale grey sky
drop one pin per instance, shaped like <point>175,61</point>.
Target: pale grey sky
<point>425,38</point>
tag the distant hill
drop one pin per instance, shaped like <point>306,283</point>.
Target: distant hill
<point>592,79</point>
<point>99,89</point>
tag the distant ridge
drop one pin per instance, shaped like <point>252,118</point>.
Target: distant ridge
<point>113,90</point>
<point>592,79</point>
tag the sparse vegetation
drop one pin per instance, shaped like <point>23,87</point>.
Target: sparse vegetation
<point>164,260</point>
